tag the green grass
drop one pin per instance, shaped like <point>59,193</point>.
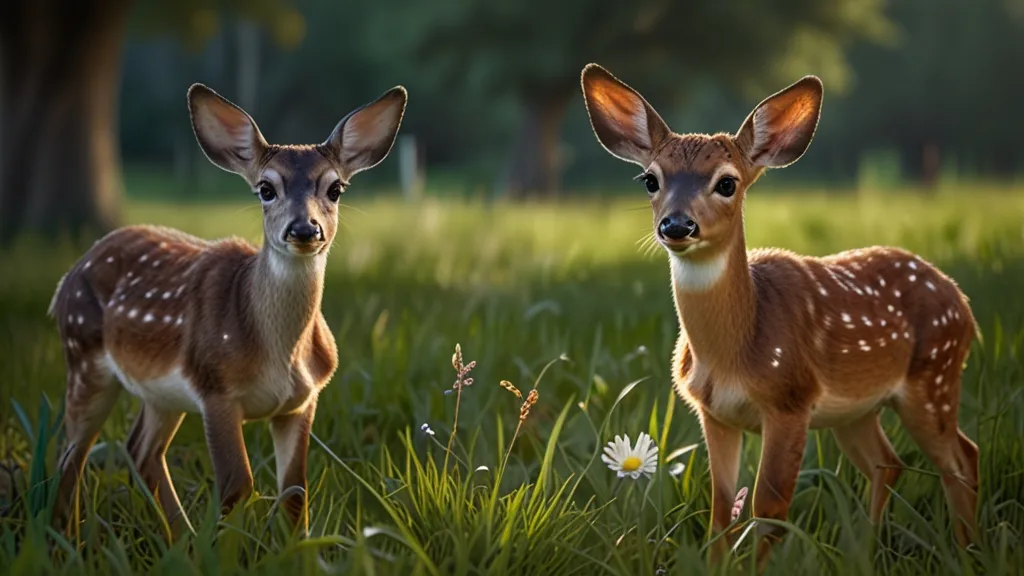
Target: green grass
<point>517,287</point>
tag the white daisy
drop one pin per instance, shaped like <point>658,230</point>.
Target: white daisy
<point>631,461</point>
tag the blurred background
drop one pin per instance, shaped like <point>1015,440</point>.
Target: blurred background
<point>920,93</point>
<point>500,223</point>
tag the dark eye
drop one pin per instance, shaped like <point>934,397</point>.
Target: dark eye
<point>726,186</point>
<point>650,182</point>
<point>334,192</point>
<point>266,191</point>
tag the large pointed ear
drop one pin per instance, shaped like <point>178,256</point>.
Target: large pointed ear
<point>363,138</point>
<point>227,135</point>
<point>625,124</point>
<point>779,130</point>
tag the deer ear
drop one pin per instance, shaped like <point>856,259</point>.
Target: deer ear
<point>363,138</point>
<point>779,130</point>
<point>228,136</point>
<point>625,124</point>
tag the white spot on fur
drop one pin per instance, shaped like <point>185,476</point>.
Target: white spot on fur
<point>78,293</point>
<point>171,392</point>
<point>938,379</point>
<point>881,282</point>
<point>144,257</point>
<point>166,295</point>
<point>148,317</point>
<point>110,259</point>
<point>891,308</point>
<point>866,320</point>
<point>934,352</point>
<point>895,335</point>
<point>930,407</point>
<point>775,363</point>
<point>882,322</point>
<point>120,308</point>
<point>930,285</point>
<point>133,313</point>
<point>179,321</point>
<point>156,263</point>
<point>913,277</point>
<point>87,265</point>
<point>690,276</point>
<point>906,335</point>
<point>912,265</point>
<point>845,317</point>
<point>81,319</point>
<point>167,319</point>
<point>946,408</point>
<point>150,293</point>
<point>225,337</point>
<point>897,293</point>
<point>822,291</point>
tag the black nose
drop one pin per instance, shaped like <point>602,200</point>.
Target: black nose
<point>303,231</point>
<point>677,227</point>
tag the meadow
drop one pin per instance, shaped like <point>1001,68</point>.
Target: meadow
<point>554,297</point>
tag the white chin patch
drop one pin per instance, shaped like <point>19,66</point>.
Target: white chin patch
<point>697,276</point>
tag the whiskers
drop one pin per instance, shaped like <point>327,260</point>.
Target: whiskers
<point>648,245</point>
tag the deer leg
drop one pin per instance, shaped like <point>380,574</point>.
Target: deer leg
<point>222,420</point>
<point>148,440</point>
<point>291,445</point>
<point>723,443</point>
<point>90,396</point>
<point>934,428</point>
<point>864,443</point>
<point>782,452</point>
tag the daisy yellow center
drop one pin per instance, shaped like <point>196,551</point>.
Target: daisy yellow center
<point>631,464</point>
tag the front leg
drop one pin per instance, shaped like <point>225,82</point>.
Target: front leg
<point>291,445</point>
<point>222,419</point>
<point>782,453</point>
<point>723,443</point>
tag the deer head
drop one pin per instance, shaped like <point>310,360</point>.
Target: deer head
<point>696,183</point>
<point>299,186</point>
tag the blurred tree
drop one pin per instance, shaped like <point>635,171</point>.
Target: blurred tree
<point>535,49</point>
<point>60,64</point>
<point>941,96</point>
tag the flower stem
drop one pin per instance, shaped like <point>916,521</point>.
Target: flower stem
<point>455,426</point>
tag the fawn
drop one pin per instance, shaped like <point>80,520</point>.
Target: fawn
<point>776,343</point>
<point>223,329</point>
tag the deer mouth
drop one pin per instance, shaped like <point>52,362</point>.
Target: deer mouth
<point>305,248</point>
<point>683,247</point>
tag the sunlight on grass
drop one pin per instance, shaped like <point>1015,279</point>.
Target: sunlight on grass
<point>559,302</point>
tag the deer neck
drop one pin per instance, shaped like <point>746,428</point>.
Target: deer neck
<point>286,292</point>
<point>716,304</point>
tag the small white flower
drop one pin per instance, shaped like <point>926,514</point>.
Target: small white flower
<point>676,469</point>
<point>631,461</point>
<point>425,428</point>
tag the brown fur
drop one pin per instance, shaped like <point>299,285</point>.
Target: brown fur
<point>776,343</point>
<point>225,329</point>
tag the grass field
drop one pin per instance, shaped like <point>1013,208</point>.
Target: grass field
<point>519,287</point>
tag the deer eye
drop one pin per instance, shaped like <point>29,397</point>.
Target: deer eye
<point>334,192</point>
<point>726,186</point>
<point>265,191</point>
<point>650,182</point>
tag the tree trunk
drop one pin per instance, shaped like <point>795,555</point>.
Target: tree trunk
<point>60,63</point>
<point>534,166</point>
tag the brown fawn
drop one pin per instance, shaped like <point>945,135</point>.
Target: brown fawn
<point>776,343</point>
<point>223,329</point>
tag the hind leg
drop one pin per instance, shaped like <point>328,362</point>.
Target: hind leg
<point>90,396</point>
<point>148,440</point>
<point>931,420</point>
<point>864,443</point>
